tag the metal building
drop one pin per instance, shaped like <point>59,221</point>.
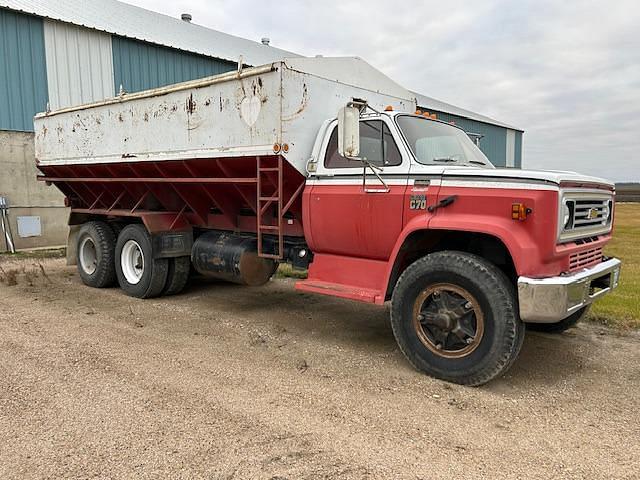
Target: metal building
<point>68,52</point>
<point>500,142</point>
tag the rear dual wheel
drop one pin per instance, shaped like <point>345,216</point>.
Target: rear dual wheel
<point>139,274</point>
<point>124,254</point>
<point>177,276</point>
<point>95,254</point>
<point>454,317</point>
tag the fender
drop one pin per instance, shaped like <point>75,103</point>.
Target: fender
<point>517,247</point>
<point>519,242</point>
<point>531,243</point>
<point>415,224</point>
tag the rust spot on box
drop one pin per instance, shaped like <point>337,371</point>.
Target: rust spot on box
<point>191,104</point>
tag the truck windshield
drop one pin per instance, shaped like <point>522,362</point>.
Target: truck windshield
<point>435,142</point>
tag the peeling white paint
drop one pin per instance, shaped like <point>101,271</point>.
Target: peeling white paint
<point>220,116</point>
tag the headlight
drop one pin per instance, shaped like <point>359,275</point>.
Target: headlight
<point>605,214</point>
<point>567,214</point>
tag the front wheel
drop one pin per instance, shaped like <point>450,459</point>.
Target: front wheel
<point>454,316</point>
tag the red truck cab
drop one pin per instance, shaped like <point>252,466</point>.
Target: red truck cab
<point>435,195</point>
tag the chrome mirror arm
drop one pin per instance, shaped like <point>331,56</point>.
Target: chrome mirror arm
<point>374,169</point>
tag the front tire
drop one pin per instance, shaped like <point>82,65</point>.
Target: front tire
<point>139,274</point>
<point>454,316</point>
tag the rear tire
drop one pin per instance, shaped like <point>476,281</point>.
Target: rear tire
<point>139,274</point>
<point>454,316</point>
<point>178,275</point>
<point>562,325</point>
<point>95,253</point>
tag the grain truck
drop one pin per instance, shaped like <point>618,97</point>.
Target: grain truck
<point>325,164</point>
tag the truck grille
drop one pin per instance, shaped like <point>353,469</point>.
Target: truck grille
<point>590,213</point>
<point>584,215</point>
<point>585,259</point>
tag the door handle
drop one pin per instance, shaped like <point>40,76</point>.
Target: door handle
<point>442,203</point>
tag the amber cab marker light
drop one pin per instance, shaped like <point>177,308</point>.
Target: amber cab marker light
<point>519,211</point>
<point>388,108</point>
<point>285,147</point>
<point>276,148</point>
<point>418,112</point>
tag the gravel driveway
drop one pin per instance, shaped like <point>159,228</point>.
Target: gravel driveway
<point>229,382</point>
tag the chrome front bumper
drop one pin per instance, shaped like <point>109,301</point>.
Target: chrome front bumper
<point>549,300</point>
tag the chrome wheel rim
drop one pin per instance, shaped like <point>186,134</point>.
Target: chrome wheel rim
<point>88,256</point>
<point>448,320</point>
<point>132,262</point>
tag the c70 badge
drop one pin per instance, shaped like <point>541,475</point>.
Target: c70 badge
<point>418,202</point>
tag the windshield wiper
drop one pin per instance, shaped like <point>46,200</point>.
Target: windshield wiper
<point>444,160</point>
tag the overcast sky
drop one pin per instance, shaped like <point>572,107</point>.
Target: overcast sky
<point>566,72</point>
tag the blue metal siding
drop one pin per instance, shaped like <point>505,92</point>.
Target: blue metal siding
<point>518,150</point>
<point>23,72</point>
<point>494,141</point>
<point>141,66</point>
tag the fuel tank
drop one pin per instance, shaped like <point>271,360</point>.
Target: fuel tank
<point>232,258</point>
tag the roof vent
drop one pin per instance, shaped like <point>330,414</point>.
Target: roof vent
<point>265,40</point>
<point>186,17</point>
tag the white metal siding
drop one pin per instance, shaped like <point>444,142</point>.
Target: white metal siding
<point>511,148</point>
<point>79,64</point>
<point>219,116</point>
<point>119,18</point>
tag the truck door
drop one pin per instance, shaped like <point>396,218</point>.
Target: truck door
<point>354,214</point>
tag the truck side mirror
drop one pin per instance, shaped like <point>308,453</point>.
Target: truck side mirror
<point>349,132</point>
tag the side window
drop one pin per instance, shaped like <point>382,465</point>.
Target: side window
<point>376,145</point>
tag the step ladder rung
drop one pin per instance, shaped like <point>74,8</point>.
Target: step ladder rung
<point>268,255</point>
<point>266,195</point>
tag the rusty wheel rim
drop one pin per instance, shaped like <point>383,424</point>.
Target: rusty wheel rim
<point>448,320</point>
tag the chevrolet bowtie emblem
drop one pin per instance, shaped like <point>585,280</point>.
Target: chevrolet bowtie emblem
<point>592,213</point>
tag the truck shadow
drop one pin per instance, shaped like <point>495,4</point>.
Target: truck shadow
<point>545,359</point>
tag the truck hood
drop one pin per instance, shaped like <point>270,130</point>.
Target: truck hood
<point>551,176</point>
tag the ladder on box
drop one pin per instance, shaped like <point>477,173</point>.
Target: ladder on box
<point>269,192</point>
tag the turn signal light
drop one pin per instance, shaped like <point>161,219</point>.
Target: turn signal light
<point>519,211</point>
